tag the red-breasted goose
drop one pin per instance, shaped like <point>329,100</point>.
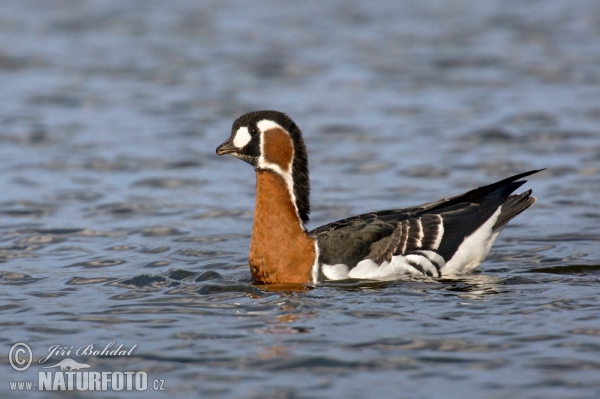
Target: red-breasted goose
<point>446,237</point>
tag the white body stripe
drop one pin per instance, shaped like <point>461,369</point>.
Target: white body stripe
<point>335,272</point>
<point>423,262</point>
<point>399,267</point>
<point>473,249</point>
<point>432,256</point>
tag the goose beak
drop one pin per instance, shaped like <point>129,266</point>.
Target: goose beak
<point>226,148</point>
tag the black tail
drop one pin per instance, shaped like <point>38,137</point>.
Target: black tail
<point>506,186</point>
<point>514,205</point>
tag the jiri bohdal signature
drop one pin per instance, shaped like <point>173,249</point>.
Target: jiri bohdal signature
<point>89,350</point>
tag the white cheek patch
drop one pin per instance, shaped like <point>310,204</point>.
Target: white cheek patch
<point>242,137</point>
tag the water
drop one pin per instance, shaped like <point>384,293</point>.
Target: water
<point>120,224</point>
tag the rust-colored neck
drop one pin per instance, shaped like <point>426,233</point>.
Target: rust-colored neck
<point>280,249</point>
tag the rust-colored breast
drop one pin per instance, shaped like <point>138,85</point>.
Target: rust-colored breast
<point>278,148</point>
<point>280,249</point>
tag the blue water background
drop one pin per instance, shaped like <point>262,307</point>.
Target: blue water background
<point>119,223</point>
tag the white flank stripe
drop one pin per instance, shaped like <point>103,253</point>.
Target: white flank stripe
<point>434,257</point>
<point>400,267</point>
<point>473,249</point>
<point>365,269</point>
<point>424,263</point>
<point>369,270</point>
<point>335,272</point>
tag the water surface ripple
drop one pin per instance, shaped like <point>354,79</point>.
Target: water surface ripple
<point>120,224</point>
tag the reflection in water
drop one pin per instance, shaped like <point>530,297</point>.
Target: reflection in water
<point>473,286</point>
<point>568,269</point>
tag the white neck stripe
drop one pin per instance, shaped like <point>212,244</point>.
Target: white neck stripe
<point>266,124</point>
<point>287,175</point>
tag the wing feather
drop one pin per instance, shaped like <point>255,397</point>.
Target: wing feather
<point>439,227</point>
